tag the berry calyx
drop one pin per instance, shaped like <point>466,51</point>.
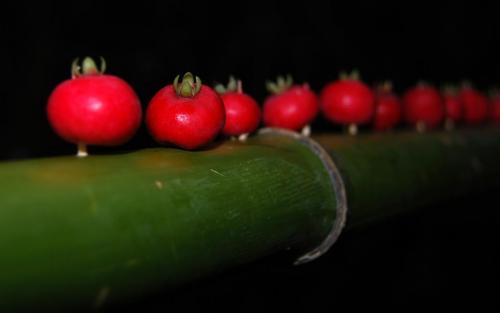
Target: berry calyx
<point>281,85</point>
<point>353,75</point>
<point>87,67</point>
<point>234,85</point>
<point>188,87</point>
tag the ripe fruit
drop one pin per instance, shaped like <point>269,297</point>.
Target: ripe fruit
<point>423,107</point>
<point>387,108</point>
<point>495,107</point>
<point>475,105</point>
<point>453,107</point>
<point>186,114</point>
<point>242,111</point>
<point>348,101</point>
<point>93,108</point>
<point>290,107</point>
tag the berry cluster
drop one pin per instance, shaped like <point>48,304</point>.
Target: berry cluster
<point>97,109</point>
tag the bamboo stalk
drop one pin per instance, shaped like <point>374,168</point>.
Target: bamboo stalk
<point>386,174</point>
<point>80,232</point>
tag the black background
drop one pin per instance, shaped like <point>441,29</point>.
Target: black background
<point>402,263</point>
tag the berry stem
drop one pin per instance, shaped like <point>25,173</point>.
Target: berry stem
<point>82,150</point>
<point>306,131</point>
<point>449,124</point>
<point>352,129</point>
<point>243,137</point>
<point>421,127</point>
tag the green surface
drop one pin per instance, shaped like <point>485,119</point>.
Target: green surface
<point>81,231</point>
<point>77,233</point>
<point>390,173</point>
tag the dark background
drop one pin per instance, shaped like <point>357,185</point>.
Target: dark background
<point>404,262</point>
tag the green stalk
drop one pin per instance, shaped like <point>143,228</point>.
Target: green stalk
<point>77,233</point>
<point>387,174</point>
<point>81,232</point>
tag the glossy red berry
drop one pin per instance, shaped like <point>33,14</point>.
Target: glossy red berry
<point>93,108</point>
<point>387,108</point>
<point>452,104</point>
<point>242,111</point>
<point>290,106</point>
<point>423,106</point>
<point>186,114</point>
<point>475,105</point>
<point>348,101</point>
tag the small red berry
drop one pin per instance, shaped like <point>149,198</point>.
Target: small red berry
<point>186,114</point>
<point>452,104</point>
<point>290,107</point>
<point>475,105</point>
<point>387,108</point>
<point>93,108</point>
<point>423,107</point>
<point>242,111</point>
<point>348,101</point>
<point>495,107</point>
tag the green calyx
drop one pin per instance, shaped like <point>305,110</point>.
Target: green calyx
<point>385,86</point>
<point>188,87</point>
<point>87,67</point>
<point>234,85</point>
<point>353,75</point>
<point>449,89</point>
<point>466,84</point>
<point>281,84</point>
<point>423,84</point>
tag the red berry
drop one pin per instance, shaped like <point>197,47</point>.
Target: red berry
<point>453,106</point>
<point>423,104</point>
<point>348,101</point>
<point>290,107</point>
<point>242,111</point>
<point>475,105</point>
<point>186,114</point>
<point>93,108</point>
<point>495,108</point>
<point>387,109</point>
